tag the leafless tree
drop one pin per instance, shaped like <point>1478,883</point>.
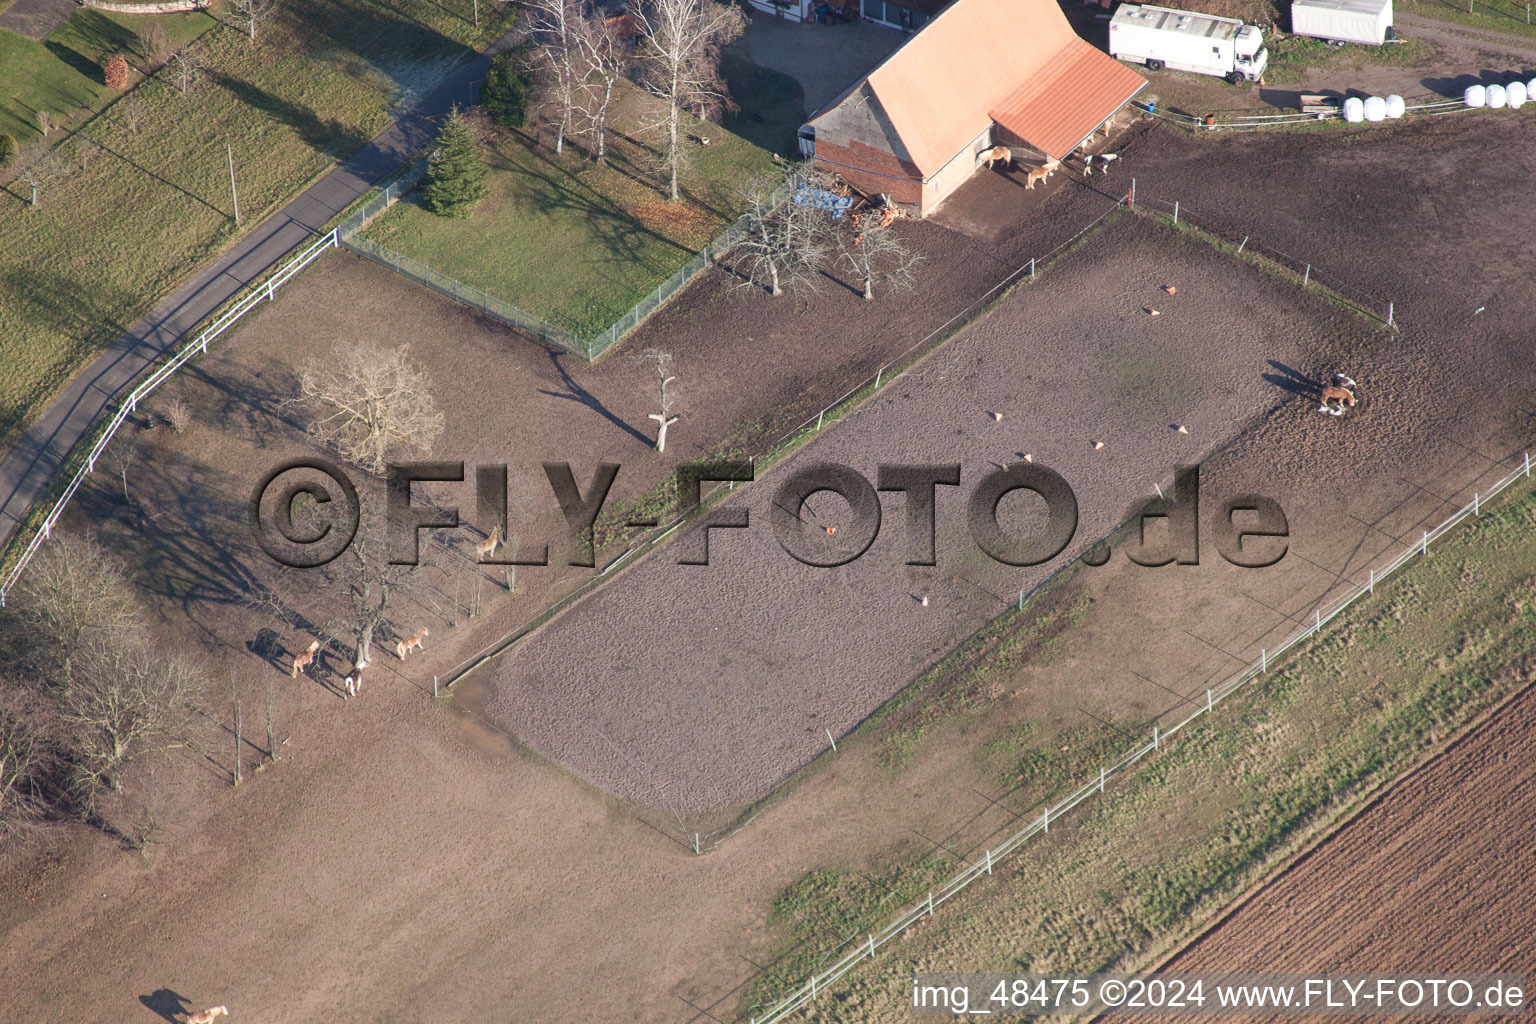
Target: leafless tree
<point>877,255</point>
<point>186,68</point>
<point>42,167</point>
<point>372,586</point>
<point>665,398</point>
<point>254,12</point>
<point>372,401</point>
<point>131,109</point>
<point>604,63</point>
<point>24,755</point>
<point>680,49</point>
<point>557,59</point>
<point>155,46</point>
<point>44,123</point>
<point>786,242</point>
<point>178,415</point>
<point>128,700</point>
<point>75,598</point>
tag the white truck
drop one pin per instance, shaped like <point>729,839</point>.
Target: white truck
<point>1161,37</point>
<point>1344,21</point>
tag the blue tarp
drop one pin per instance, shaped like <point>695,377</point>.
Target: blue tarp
<point>822,200</point>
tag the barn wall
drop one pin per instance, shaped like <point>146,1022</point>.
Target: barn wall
<point>956,172</point>
<point>856,140</point>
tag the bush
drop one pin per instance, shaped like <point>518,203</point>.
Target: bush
<point>507,85</point>
<point>456,174</point>
<point>7,151</point>
<point>115,72</point>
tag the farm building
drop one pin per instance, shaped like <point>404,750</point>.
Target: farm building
<point>982,73</point>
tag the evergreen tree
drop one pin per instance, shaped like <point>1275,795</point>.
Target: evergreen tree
<point>455,173</point>
<point>507,85</point>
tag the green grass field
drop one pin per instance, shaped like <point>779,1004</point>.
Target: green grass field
<point>572,242</point>
<point>62,74</point>
<point>152,204</point>
<point>1279,763</point>
<point>1291,58</point>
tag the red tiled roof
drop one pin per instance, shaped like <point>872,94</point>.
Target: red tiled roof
<point>1067,99</point>
<point>1020,58</point>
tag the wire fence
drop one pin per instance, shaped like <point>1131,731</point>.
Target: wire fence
<point>81,461</point>
<point>589,347</point>
<point>1260,118</point>
<point>769,452</point>
<point>865,946</point>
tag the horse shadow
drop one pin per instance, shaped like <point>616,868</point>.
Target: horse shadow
<point>167,1004</point>
<point>1291,380</point>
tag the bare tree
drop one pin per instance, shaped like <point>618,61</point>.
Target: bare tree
<point>556,59</point>
<point>155,46</point>
<point>372,585</point>
<point>877,255</point>
<point>372,401</point>
<point>178,415</point>
<point>665,399</point>
<point>44,123</point>
<point>785,242</point>
<point>86,150</point>
<point>187,66</point>
<point>604,63</point>
<point>254,12</point>
<point>24,755</point>
<point>127,701</point>
<point>680,64</point>
<point>131,109</point>
<point>42,167</point>
<point>75,598</point>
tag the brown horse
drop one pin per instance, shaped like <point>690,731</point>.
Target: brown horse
<point>1333,393</point>
<point>996,154</point>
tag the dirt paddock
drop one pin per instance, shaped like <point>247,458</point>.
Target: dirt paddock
<point>715,682</point>
<point>389,867</point>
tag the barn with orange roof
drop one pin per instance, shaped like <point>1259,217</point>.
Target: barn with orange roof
<point>982,73</point>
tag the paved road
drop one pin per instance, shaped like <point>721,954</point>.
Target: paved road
<point>27,468</point>
<point>37,19</point>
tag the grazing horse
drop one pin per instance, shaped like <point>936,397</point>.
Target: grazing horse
<point>208,1016</point>
<point>412,641</point>
<point>996,154</point>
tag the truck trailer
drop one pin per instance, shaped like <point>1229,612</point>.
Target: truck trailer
<point>1344,21</point>
<point>1161,37</point>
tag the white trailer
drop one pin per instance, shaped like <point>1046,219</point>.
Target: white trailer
<point>1344,21</point>
<point>1161,37</point>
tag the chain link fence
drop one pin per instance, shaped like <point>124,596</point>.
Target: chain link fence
<point>588,348</point>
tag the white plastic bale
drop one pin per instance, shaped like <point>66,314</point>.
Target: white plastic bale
<point>1395,106</point>
<point>1354,110</point>
<point>1496,97</point>
<point>1475,96</point>
<point>1375,108</point>
<point>1515,94</point>
<point>1530,89</point>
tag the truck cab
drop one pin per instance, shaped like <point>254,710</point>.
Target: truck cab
<point>1249,55</point>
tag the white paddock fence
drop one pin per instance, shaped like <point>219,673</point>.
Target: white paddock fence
<point>264,290</point>
<point>866,947</point>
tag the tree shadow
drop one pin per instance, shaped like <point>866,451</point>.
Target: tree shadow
<point>576,393</point>
<point>167,1003</point>
<point>82,64</point>
<point>322,134</point>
